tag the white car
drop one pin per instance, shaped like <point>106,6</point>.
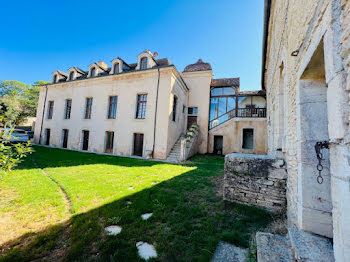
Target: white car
<point>17,135</point>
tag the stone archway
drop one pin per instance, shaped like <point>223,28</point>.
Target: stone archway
<point>314,199</point>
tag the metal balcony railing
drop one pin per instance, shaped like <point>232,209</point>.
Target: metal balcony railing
<point>238,112</point>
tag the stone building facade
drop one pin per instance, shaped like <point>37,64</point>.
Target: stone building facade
<point>144,109</point>
<point>306,66</point>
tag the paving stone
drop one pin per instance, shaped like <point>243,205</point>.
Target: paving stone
<point>226,252</point>
<point>146,216</point>
<point>273,248</point>
<point>145,250</point>
<point>308,247</point>
<point>113,230</point>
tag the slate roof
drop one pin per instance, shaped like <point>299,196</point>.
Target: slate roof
<point>80,71</point>
<point>255,92</point>
<point>130,67</point>
<point>221,82</point>
<point>198,66</point>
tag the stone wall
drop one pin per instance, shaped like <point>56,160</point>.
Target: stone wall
<point>305,26</point>
<point>256,180</point>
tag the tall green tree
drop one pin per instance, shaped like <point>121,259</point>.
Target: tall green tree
<point>19,99</point>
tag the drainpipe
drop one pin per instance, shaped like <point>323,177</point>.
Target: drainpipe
<point>42,118</point>
<point>155,115</point>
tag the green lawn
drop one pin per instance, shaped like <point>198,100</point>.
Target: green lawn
<point>59,212</point>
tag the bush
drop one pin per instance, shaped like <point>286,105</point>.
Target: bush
<point>11,154</point>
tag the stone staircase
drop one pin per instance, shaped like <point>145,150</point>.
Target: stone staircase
<point>297,246</point>
<point>174,155</point>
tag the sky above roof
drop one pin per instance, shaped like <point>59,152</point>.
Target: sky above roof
<point>39,37</point>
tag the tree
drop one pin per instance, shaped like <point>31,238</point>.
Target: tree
<point>11,154</point>
<point>20,100</point>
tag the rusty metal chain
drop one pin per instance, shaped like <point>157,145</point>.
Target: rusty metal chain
<point>319,155</point>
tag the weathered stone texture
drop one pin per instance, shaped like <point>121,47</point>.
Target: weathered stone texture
<point>305,26</point>
<point>255,180</point>
<point>272,248</point>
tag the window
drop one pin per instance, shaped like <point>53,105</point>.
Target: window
<point>112,108</point>
<point>68,109</point>
<point>109,142</point>
<point>54,79</point>
<point>143,63</point>
<point>193,111</point>
<point>222,91</point>
<point>222,105</point>
<point>93,71</point>
<point>116,68</point>
<point>174,108</point>
<point>88,108</point>
<point>47,136</point>
<point>65,138</point>
<point>141,106</point>
<point>248,138</point>
<point>50,110</point>
<point>71,75</point>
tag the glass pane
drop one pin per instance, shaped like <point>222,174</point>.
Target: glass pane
<point>228,91</point>
<point>243,101</point>
<point>213,108</point>
<point>222,105</point>
<point>259,101</point>
<point>231,103</point>
<point>216,92</point>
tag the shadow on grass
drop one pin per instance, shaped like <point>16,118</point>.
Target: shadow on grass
<point>188,220</point>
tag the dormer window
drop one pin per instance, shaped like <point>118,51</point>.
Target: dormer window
<point>54,79</point>
<point>143,63</point>
<point>93,72</point>
<point>71,75</point>
<point>116,68</point>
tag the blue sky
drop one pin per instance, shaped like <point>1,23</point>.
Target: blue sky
<point>39,37</point>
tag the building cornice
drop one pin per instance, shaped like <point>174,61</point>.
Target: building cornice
<point>161,68</point>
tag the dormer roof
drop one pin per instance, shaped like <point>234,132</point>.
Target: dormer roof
<point>63,74</point>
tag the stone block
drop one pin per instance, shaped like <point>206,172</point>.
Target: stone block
<point>315,221</point>
<point>311,92</point>
<point>226,252</point>
<point>309,247</point>
<point>337,106</point>
<point>314,122</point>
<point>271,248</point>
<point>311,193</point>
<point>278,173</point>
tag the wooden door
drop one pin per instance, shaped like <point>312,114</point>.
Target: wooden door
<point>138,144</point>
<point>85,140</point>
<point>191,120</point>
<point>109,142</point>
<point>47,142</point>
<point>218,144</point>
<point>65,138</point>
